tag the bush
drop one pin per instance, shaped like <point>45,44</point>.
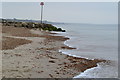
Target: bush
<point>59,29</point>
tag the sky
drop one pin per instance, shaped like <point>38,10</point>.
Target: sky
<point>72,12</point>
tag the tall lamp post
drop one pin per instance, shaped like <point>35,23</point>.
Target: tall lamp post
<point>42,3</point>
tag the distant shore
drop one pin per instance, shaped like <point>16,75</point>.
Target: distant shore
<point>29,53</point>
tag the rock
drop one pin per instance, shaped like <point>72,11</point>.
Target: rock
<point>63,30</point>
<point>52,61</point>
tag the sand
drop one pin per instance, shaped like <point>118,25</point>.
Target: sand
<point>39,58</point>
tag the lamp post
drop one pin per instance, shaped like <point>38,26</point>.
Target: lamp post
<point>42,3</point>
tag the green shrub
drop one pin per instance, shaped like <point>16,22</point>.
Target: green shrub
<point>59,29</point>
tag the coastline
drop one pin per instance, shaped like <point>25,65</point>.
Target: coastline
<point>33,59</point>
<point>104,47</point>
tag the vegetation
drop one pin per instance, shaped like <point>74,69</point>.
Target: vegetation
<point>31,25</point>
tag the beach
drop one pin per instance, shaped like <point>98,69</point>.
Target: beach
<point>93,41</point>
<point>30,53</point>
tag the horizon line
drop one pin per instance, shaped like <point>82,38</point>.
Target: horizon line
<point>63,22</point>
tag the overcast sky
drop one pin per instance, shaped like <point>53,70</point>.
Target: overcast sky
<point>75,12</point>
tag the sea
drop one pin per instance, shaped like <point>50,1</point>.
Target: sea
<point>93,41</point>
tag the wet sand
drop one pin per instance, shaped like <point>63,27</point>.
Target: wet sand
<point>34,54</point>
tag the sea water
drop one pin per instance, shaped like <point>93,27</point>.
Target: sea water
<point>93,41</point>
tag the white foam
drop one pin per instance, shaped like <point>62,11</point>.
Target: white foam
<point>73,55</point>
<point>100,71</point>
<point>85,73</point>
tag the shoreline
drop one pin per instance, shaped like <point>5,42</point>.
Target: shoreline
<point>44,48</point>
<point>84,73</point>
<point>94,72</point>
